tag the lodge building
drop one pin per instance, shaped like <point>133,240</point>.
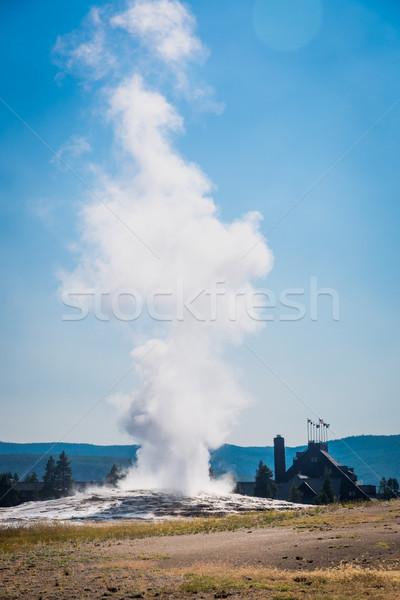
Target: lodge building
<point>307,472</point>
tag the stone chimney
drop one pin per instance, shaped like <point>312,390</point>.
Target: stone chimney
<point>279,458</point>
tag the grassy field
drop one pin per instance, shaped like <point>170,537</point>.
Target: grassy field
<point>100,560</point>
<point>344,583</point>
<point>141,577</point>
<point>23,536</point>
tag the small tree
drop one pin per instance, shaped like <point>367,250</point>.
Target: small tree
<point>394,486</point>
<point>265,487</point>
<point>383,490</point>
<point>115,475</point>
<point>388,489</point>
<point>63,475</point>
<point>8,492</point>
<point>49,479</point>
<point>326,495</point>
<point>295,494</point>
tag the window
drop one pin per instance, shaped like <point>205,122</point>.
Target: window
<point>314,459</point>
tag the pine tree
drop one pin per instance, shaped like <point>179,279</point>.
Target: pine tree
<point>295,494</point>
<point>388,489</point>
<point>327,494</point>
<point>49,479</point>
<point>115,475</point>
<point>394,487</point>
<point>265,487</point>
<point>383,490</point>
<point>8,492</point>
<point>63,475</point>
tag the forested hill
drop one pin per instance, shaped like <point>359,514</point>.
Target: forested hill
<point>88,462</point>
<point>70,449</point>
<point>372,456</point>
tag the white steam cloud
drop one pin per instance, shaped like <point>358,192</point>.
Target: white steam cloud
<point>188,398</point>
<point>165,26</point>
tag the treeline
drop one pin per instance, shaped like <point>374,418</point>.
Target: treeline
<point>57,478</point>
<point>57,481</point>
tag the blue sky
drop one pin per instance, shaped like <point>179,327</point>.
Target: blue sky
<point>288,116</point>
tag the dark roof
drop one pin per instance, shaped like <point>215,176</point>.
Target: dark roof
<point>331,459</point>
<point>25,486</point>
<point>314,479</point>
<point>305,487</point>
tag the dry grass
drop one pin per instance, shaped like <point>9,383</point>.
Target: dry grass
<point>344,582</point>
<point>22,537</point>
<point>72,561</point>
<point>209,580</point>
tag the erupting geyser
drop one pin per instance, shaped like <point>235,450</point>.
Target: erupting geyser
<point>168,245</point>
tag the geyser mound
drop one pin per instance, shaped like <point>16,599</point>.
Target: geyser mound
<point>99,504</point>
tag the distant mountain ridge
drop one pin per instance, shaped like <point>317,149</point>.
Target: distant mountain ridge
<point>89,462</point>
<point>372,456</point>
<point>70,449</point>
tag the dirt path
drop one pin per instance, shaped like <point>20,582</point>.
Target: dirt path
<point>283,548</point>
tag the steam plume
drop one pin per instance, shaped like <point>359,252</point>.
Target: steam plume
<point>188,398</point>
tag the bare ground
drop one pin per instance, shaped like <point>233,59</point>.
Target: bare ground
<point>351,552</point>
